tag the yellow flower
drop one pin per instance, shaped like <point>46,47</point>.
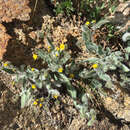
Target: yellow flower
<point>13,83</point>
<point>42,99</point>
<point>71,75</point>
<point>33,86</point>
<point>5,64</point>
<point>57,54</point>
<point>87,23</point>
<point>93,21</point>
<point>33,69</point>
<point>55,96</point>
<point>94,66</point>
<point>34,56</point>
<point>40,105</point>
<point>49,48</point>
<point>62,46</point>
<point>35,103</point>
<point>57,48</point>
<point>60,70</point>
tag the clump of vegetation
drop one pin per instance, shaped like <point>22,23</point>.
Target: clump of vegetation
<point>61,71</point>
<point>93,9</point>
<point>63,74</point>
<point>64,7</point>
<point>104,61</point>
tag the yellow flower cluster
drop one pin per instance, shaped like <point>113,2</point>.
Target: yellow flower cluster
<point>36,102</point>
<point>88,23</point>
<point>61,47</point>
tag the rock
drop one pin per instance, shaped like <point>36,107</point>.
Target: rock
<point>125,114</point>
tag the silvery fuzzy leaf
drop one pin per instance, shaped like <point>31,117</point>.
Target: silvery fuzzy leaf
<point>86,34</point>
<point>91,47</point>
<point>84,98</point>
<point>124,68</point>
<point>92,117</point>
<point>126,37</point>
<point>87,74</point>
<point>96,84</point>
<point>49,42</point>
<point>51,90</point>
<point>104,76</point>
<point>25,98</point>
<point>127,50</point>
<point>71,90</point>
<point>108,84</point>
<point>100,23</point>
<point>100,50</point>
<point>91,60</point>
<point>39,83</point>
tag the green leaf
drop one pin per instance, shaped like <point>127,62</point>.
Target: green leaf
<point>104,76</point>
<point>39,83</point>
<point>127,50</point>
<point>25,97</point>
<point>85,74</point>
<point>41,35</point>
<point>96,84</point>
<point>51,90</point>
<point>84,98</point>
<point>91,60</point>
<point>91,47</point>
<point>86,33</point>
<point>124,68</point>
<point>100,23</point>
<point>92,116</point>
<point>49,42</point>
<point>71,90</point>
<point>100,50</point>
<point>10,71</point>
<point>108,84</point>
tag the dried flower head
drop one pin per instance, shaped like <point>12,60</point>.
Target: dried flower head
<point>71,75</point>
